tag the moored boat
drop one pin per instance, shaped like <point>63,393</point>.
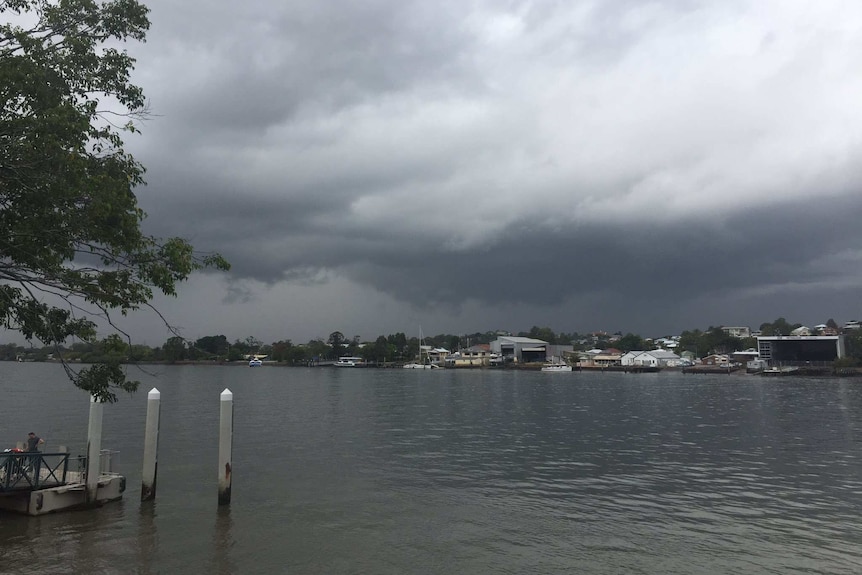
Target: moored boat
<point>777,371</point>
<point>421,366</point>
<point>350,361</point>
<point>556,364</point>
<point>556,367</point>
<point>424,357</point>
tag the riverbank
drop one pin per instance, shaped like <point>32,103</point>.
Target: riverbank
<point>806,371</point>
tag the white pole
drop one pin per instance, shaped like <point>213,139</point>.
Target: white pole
<point>151,446</point>
<point>94,446</point>
<point>225,445</point>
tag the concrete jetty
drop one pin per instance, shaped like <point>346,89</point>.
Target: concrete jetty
<point>41,483</point>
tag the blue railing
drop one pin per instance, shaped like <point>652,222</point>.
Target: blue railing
<point>30,471</point>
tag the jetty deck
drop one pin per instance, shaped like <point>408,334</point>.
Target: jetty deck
<point>40,483</point>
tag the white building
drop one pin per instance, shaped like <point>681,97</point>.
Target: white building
<point>737,331</point>
<point>475,356</point>
<point>655,358</point>
<point>668,342</point>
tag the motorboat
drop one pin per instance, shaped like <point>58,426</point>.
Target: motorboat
<point>350,361</point>
<point>773,371</point>
<point>255,363</point>
<point>415,365</point>
<point>557,366</point>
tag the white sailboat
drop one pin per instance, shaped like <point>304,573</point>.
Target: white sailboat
<point>422,364</point>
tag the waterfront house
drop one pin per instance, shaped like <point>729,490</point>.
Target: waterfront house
<point>825,330</point>
<point>599,358</point>
<point>474,356</point>
<point>437,355</point>
<point>654,358</point>
<point>716,359</point>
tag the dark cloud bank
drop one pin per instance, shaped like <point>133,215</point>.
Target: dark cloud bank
<point>646,167</point>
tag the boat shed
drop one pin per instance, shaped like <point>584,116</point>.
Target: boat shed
<point>800,349</point>
<point>520,349</point>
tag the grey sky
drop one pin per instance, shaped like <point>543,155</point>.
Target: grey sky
<point>372,166</point>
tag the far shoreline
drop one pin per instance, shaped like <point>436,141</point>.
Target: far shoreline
<point>831,372</point>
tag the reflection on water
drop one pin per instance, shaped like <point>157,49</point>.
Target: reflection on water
<point>223,543</point>
<point>367,471</point>
<point>148,538</point>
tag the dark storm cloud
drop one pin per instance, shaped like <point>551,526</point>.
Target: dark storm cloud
<point>642,262</point>
<point>657,160</point>
<point>251,66</point>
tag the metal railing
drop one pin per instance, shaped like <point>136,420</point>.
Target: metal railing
<point>28,471</point>
<point>797,363</point>
<point>107,461</point>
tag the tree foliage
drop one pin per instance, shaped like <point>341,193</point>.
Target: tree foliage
<point>336,342</point>
<point>631,342</point>
<point>778,327</point>
<point>713,340</point>
<point>317,349</point>
<point>399,342</point>
<point>853,344</point>
<point>71,243</point>
<point>542,333</point>
<point>175,349</point>
<point>381,351</point>
<point>213,345</point>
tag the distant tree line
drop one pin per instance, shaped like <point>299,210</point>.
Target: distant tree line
<point>393,347</point>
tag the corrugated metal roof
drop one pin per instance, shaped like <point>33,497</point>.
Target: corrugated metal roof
<point>662,354</point>
<point>515,339</point>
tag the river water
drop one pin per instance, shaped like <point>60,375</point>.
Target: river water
<point>371,471</point>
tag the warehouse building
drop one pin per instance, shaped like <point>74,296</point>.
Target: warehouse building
<point>800,350</point>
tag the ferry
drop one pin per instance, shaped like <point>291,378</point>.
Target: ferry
<point>350,361</point>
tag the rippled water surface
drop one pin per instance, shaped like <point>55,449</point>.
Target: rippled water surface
<point>402,472</point>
